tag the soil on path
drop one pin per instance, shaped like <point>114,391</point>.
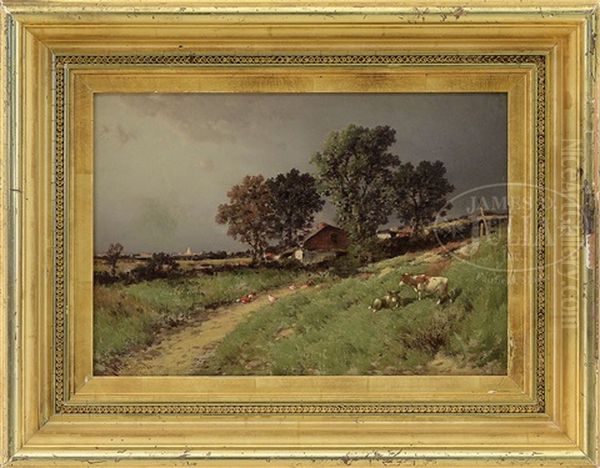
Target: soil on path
<point>179,350</point>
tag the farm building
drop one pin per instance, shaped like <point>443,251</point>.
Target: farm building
<point>324,242</point>
<point>326,238</point>
<point>187,255</point>
<point>477,224</point>
<point>394,233</point>
<point>486,222</point>
<point>474,225</point>
<point>143,256</point>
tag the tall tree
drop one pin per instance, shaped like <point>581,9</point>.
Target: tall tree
<point>421,193</point>
<point>295,203</point>
<point>355,171</point>
<point>113,255</point>
<point>249,214</point>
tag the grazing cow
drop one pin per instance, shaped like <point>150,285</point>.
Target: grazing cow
<point>434,285</point>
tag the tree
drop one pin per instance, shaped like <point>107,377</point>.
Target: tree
<point>421,193</point>
<point>355,170</point>
<point>249,214</point>
<point>295,203</point>
<point>113,255</point>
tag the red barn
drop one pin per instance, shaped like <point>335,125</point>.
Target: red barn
<point>326,240</point>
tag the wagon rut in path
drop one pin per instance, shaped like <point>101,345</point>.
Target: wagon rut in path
<point>178,352</point>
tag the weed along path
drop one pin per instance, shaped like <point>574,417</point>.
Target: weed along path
<point>178,351</point>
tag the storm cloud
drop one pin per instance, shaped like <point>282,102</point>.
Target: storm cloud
<point>164,162</point>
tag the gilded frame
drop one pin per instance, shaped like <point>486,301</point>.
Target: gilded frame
<point>517,392</point>
<point>58,54</point>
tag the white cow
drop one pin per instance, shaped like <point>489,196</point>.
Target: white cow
<point>433,285</point>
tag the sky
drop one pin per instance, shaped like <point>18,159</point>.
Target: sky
<point>164,162</point>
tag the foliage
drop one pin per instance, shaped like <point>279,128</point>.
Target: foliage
<point>113,254</point>
<point>357,257</point>
<point>355,172</point>
<point>104,277</point>
<point>295,202</point>
<point>421,193</point>
<point>345,265</point>
<point>250,215</point>
<point>161,265</point>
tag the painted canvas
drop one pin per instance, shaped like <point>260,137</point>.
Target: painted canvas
<point>300,234</point>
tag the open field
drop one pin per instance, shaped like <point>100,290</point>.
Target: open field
<point>195,324</point>
<point>332,332</point>
<point>130,316</point>
<point>177,350</point>
<point>127,264</point>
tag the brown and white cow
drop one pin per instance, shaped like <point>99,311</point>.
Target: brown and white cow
<point>433,285</point>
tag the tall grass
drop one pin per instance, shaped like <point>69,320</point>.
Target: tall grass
<point>482,332</point>
<point>128,316</point>
<point>120,323</point>
<point>332,332</point>
<point>188,294</point>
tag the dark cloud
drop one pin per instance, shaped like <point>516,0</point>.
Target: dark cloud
<point>227,123</point>
<point>182,152</point>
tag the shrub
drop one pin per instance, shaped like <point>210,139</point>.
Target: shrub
<point>105,277</point>
<point>161,265</point>
<point>345,265</point>
<point>429,332</point>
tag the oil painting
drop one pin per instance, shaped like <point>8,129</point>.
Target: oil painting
<point>300,234</point>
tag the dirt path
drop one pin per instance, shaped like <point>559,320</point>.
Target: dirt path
<point>179,350</point>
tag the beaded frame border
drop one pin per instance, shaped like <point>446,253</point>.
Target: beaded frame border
<point>61,66</point>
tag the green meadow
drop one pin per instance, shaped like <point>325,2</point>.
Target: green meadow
<point>128,316</point>
<point>332,332</point>
<point>329,329</point>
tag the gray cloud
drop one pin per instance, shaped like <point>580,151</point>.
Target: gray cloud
<point>229,120</point>
<point>164,162</point>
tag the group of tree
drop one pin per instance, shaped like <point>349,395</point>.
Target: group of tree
<point>261,210</point>
<point>357,172</point>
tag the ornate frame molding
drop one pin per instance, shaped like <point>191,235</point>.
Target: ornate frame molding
<point>64,63</point>
<point>45,41</point>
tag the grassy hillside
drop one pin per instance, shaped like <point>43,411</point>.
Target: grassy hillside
<point>332,332</point>
<point>127,316</point>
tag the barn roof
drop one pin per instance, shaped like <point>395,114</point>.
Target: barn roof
<point>318,229</point>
